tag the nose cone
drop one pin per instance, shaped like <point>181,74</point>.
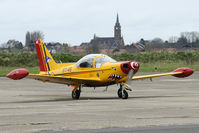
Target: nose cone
<point>135,66</point>
<point>18,74</point>
<point>127,66</point>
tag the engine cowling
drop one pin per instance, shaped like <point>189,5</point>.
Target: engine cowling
<point>18,74</point>
<point>127,66</point>
<point>185,72</point>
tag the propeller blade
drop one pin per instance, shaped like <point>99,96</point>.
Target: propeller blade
<point>134,68</point>
<point>129,77</point>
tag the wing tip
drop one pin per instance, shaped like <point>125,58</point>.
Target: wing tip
<point>185,72</point>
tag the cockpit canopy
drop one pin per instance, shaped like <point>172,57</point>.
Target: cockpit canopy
<point>94,60</point>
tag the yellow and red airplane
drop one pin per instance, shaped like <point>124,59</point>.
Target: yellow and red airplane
<point>92,70</point>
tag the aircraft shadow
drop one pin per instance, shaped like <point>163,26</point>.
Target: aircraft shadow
<point>87,98</point>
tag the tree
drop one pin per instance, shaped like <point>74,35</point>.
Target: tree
<point>191,37</point>
<point>182,40</point>
<point>14,45</point>
<point>28,38</point>
<point>173,39</point>
<point>31,37</point>
<point>35,35</point>
<point>94,47</point>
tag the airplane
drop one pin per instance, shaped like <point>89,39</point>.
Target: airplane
<point>93,70</point>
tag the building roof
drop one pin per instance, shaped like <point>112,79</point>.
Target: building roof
<point>106,42</point>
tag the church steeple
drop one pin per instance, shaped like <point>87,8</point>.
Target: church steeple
<point>117,29</point>
<point>117,20</point>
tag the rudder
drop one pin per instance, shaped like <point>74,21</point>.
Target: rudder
<point>46,62</point>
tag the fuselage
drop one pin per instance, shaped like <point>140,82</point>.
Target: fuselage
<point>102,70</point>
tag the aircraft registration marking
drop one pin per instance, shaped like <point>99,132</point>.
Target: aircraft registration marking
<point>67,69</point>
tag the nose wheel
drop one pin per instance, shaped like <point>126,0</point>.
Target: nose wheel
<point>76,92</point>
<point>122,93</point>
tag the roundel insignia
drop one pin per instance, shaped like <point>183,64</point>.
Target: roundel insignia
<point>37,41</point>
<point>134,65</point>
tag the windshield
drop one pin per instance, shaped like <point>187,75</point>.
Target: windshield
<point>94,60</point>
<point>103,59</point>
<point>87,61</point>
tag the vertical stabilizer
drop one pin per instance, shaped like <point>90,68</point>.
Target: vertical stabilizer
<point>46,62</point>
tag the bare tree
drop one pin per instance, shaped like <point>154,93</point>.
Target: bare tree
<point>14,46</point>
<point>173,39</point>
<point>182,40</point>
<point>31,37</point>
<point>28,38</point>
<point>191,37</point>
<point>35,35</point>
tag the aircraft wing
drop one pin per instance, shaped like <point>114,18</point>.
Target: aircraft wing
<point>155,75</point>
<point>62,79</point>
<point>180,73</point>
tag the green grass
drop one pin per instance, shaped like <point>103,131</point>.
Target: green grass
<point>5,70</point>
<point>144,67</point>
<point>165,66</point>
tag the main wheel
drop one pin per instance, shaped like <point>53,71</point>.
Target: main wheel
<point>124,94</point>
<point>76,94</point>
<point>119,93</point>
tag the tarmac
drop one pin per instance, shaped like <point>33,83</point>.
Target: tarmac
<point>151,129</point>
<point>30,106</point>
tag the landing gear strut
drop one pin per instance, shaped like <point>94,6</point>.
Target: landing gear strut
<point>122,93</point>
<point>76,92</point>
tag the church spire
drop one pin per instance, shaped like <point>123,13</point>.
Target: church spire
<point>117,29</point>
<point>117,21</point>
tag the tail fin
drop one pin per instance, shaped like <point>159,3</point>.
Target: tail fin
<point>46,62</point>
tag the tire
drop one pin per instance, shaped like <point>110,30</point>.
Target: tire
<point>125,94</point>
<point>119,93</point>
<point>76,94</point>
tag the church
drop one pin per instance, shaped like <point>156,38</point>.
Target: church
<point>115,42</point>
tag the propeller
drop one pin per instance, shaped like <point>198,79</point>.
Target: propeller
<point>134,68</point>
<point>129,77</point>
<point>130,68</point>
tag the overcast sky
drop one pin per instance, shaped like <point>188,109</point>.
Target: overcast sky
<point>76,21</point>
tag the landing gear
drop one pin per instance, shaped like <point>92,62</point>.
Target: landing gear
<point>119,93</point>
<point>76,92</point>
<point>125,94</point>
<point>122,93</point>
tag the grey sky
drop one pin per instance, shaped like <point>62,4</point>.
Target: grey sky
<point>76,21</point>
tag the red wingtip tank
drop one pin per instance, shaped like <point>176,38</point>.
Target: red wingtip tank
<point>185,72</point>
<point>18,74</point>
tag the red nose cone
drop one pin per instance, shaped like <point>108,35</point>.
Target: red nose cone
<point>18,74</point>
<point>135,66</point>
<point>185,72</point>
<point>127,66</point>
